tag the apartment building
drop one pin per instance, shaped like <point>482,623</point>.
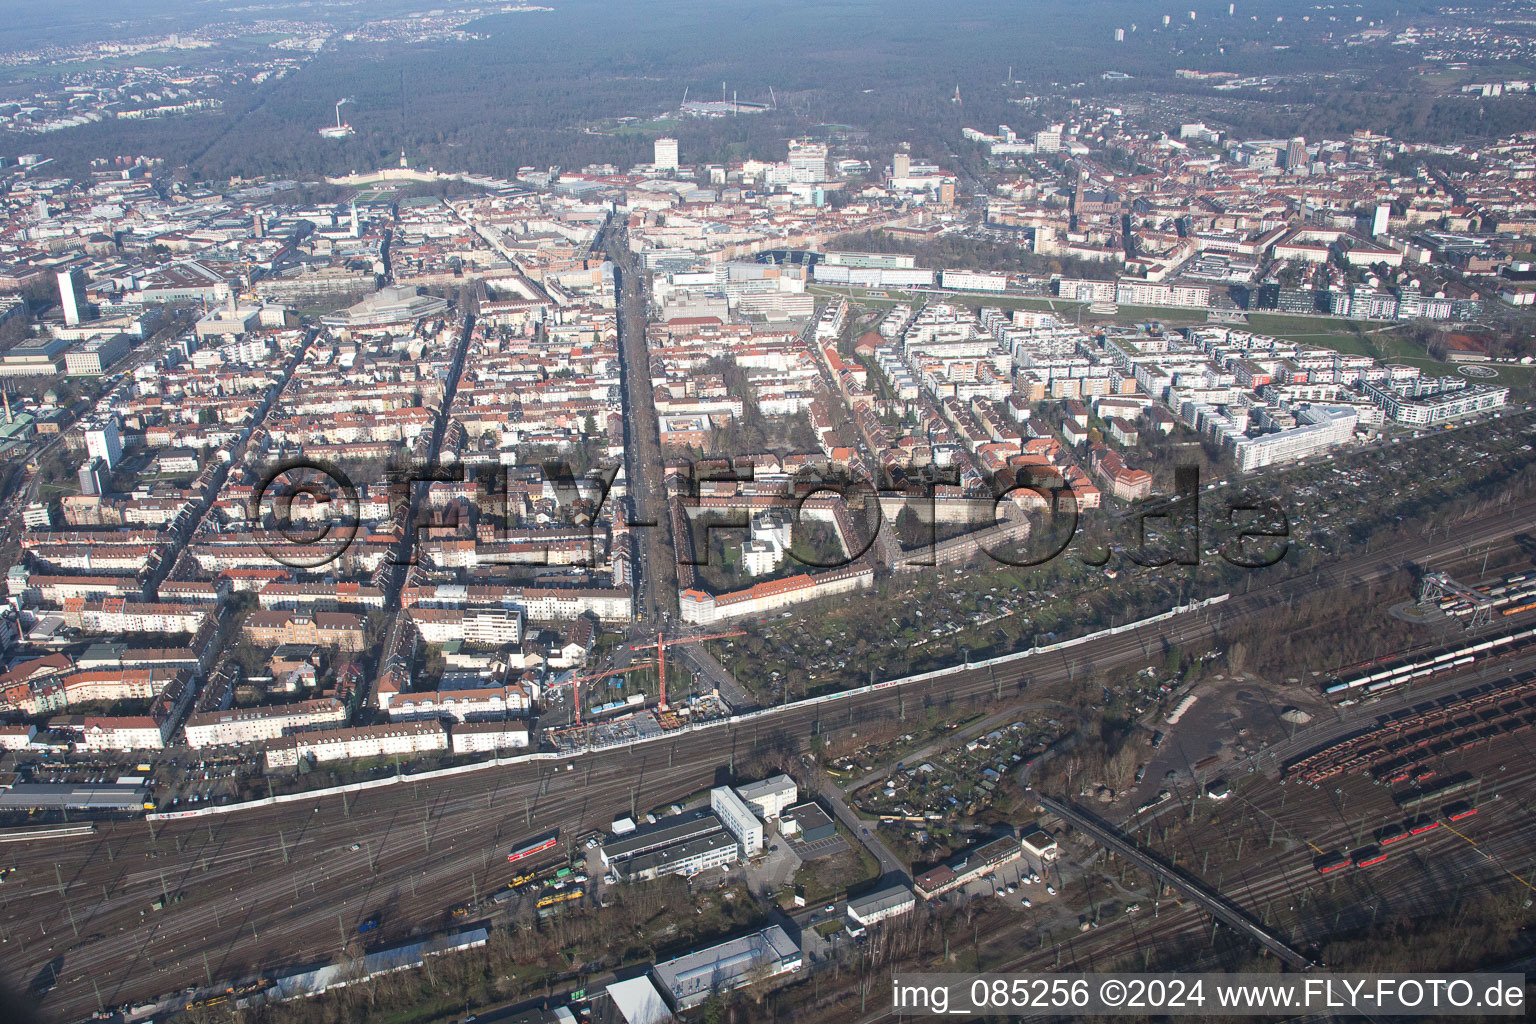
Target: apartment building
<point>119,615</point>
<point>236,726</point>
<point>484,737</point>
<point>394,739</point>
<point>463,704</point>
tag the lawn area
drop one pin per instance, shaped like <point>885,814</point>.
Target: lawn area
<point>661,125</point>
<point>1140,314</point>
<point>829,878</point>
<point>1344,335</point>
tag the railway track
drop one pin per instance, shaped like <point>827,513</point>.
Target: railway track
<point>263,888</point>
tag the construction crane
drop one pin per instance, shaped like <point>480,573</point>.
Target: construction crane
<point>661,643</point>
<point>580,681</point>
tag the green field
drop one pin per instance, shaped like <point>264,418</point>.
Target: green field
<point>659,126</point>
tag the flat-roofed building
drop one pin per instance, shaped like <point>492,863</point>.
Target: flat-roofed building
<point>477,737</point>
<point>96,797</point>
<point>769,797</point>
<point>92,358</point>
<point>808,823</point>
<point>737,818</point>
<point>677,828</point>
<point>639,1002</point>
<point>692,978</point>
<point>1040,843</point>
<point>687,858</point>
<point>880,905</point>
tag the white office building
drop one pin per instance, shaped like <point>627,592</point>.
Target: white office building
<point>104,442</point>
<point>737,818</point>
<point>808,160</point>
<point>688,858</point>
<point>880,905</point>
<point>666,155</point>
<point>769,797</point>
<point>72,296</point>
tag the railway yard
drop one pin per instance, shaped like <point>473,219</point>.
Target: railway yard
<point>132,911</point>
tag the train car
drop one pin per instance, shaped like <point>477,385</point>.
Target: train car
<point>1390,835</point>
<point>533,849</point>
<point>1330,862</point>
<point>1369,857</point>
<point>1423,825</point>
<point>1459,811</point>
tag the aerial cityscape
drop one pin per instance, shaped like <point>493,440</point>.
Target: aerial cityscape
<point>581,513</point>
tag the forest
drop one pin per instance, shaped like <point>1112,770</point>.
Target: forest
<point>545,89</point>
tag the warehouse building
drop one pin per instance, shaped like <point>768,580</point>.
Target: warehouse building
<point>691,979</point>
<point>737,818</point>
